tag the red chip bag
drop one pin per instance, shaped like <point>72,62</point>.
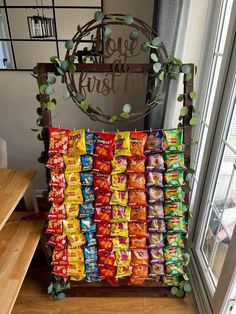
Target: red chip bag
<point>102,198</point>
<point>58,241</point>
<point>102,166</point>
<point>102,213</point>
<point>103,229</point>
<point>59,257</point>
<point>137,144</point>
<point>107,272</point>
<point>57,213</point>
<point>55,162</point>
<point>136,181</point>
<point>57,178</point>
<point>138,213</point>
<point>106,258</point>
<point>60,271</point>
<point>137,198</point>
<point>56,195</point>
<point>58,141</point>
<point>139,257</point>
<point>102,182</point>
<point>104,244</point>
<point>54,227</point>
<point>104,145</point>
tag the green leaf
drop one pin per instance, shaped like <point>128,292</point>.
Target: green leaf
<point>84,105</point>
<point>72,68</point>
<point>44,106</point>
<point>98,15</point>
<point>34,130</point>
<point>181,284</point>
<point>67,286</point>
<point>65,65</point>
<point>113,118</point>
<point>69,44</point>
<point>169,59</point>
<point>54,100</point>
<point>174,290</point>
<point>60,296</point>
<point>124,115</point>
<point>50,288</point>
<point>185,276</point>
<point>93,117</point>
<point>60,71</point>
<point>128,19</point>
<point>57,278</point>
<point>186,68</point>
<point>36,70</point>
<point>79,29</point>
<point>173,75</point>
<point>180,293</point>
<point>107,31</point>
<point>193,121</point>
<point>42,88</point>
<point>175,68</point>
<point>51,105</point>
<point>79,97</point>
<point>39,122</point>
<point>145,46</point>
<point>51,80</point>
<point>66,95</point>
<point>187,288</point>
<point>49,90</point>
<point>156,41</point>
<point>154,57</point>
<point>187,76</point>
<point>111,17</point>
<point>127,108</point>
<point>180,97</point>
<point>134,35</point>
<point>71,59</point>
<point>156,67</point>
<point>193,95</point>
<point>184,111</point>
<point>54,59</point>
<point>161,75</point>
<point>40,137</point>
<point>180,125</point>
<point>186,260</point>
<point>161,97</point>
<point>39,111</point>
<point>178,62</point>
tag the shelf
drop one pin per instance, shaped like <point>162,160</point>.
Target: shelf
<point>13,185</point>
<point>18,242</point>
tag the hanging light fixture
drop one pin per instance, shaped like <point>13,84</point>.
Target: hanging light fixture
<point>40,26</point>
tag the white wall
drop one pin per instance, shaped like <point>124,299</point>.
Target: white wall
<point>18,104</point>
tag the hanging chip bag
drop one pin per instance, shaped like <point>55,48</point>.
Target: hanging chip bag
<point>77,142</point>
<point>173,140</point>
<point>176,224</point>
<point>174,194</point>
<point>86,178</point>
<point>104,145</point>
<point>154,142</point>
<point>87,162</point>
<point>73,163</point>
<point>89,142</point>
<point>174,161</point>
<point>87,225</point>
<point>137,144</point>
<point>174,178</point>
<point>174,239</point>
<point>76,240</point>
<point>58,141</point>
<point>102,214</point>
<point>119,181</point>
<point>122,144</point>
<point>120,243</point>
<point>155,162</point>
<point>119,164</point>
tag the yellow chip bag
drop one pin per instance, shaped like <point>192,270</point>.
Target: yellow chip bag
<point>75,255</point>
<point>119,198</point>
<point>73,163</point>
<point>123,258</point>
<point>78,277</point>
<point>76,269</point>
<point>120,213</point>
<point>119,164</point>
<point>76,144</point>
<point>73,178</point>
<point>122,144</point>
<point>71,226</point>
<point>119,181</point>
<point>76,240</point>
<point>72,211</point>
<point>73,195</point>
<point>120,243</point>
<point>119,229</point>
<point>124,271</point>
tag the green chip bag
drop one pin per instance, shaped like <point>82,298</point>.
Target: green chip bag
<point>174,209</point>
<point>171,280</point>
<point>175,269</point>
<point>176,224</point>
<point>174,239</point>
<point>172,254</point>
<point>174,178</point>
<point>174,194</point>
<point>174,161</point>
<point>173,140</point>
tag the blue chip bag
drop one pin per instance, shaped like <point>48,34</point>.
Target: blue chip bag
<point>90,254</point>
<point>86,210</point>
<point>90,239</point>
<point>91,268</point>
<point>86,178</point>
<point>88,194</point>
<point>89,142</point>
<point>92,277</point>
<point>87,225</point>
<point>87,162</point>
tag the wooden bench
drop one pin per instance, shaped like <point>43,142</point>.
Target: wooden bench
<point>18,237</point>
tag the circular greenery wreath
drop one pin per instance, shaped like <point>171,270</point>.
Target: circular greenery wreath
<point>164,69</point>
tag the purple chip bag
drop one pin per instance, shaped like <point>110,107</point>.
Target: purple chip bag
<point>156,162</point>
<point>157,225</point>
<point>156,211</point>
<point>154,142</point>
<point>157,270</point>
<point>156,240</point>
<point>157,255</point>
<point>154,178</point>
<point>156,195</point>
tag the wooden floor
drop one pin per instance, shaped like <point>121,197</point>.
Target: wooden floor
<point>33,299</point>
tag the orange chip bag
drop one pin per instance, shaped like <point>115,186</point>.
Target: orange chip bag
<point>76,144</point>
<point>73,195</point>
<point>120,213</point>
<point>75,254</point>
<point>138,213</point>
<point>119,181</point>
<point>139,257</point>
<point>122,144</point>
<point>138,243</point>
<point>73,163</point>
<point>58,141</point>
<point>138,229</point>
<point>136,281</point>
<point>119,229</point>
<point>72,211</point>
<point>71,226</point>
<point>136,181</point>
<point>76,240</point>
<point>119,164</point>
<point>136,165</point>
<point>137,198</point>
<point>137,144</point>
<point>119,198</point>
<point>140,271</point>
<point>123,258</point>
<point>73,179</point>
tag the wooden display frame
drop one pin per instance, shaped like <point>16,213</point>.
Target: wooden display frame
<point>79,288</point>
